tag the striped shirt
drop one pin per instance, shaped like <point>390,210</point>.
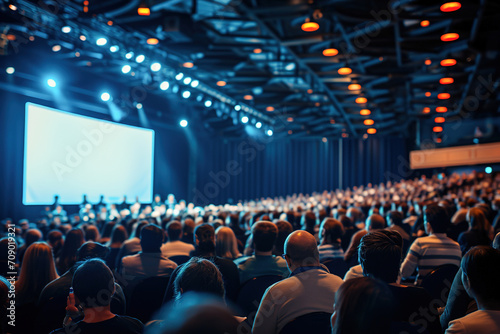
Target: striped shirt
<point>330,252</point>
<point>427,253</point>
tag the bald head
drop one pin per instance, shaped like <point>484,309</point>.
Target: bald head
<point>301,248</point>
<point>375,222</point>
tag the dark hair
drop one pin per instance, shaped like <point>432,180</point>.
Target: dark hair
<point>377,222</point>
<point>481,265</point>
<point>199,275</point>
<point>107,229</point>
<point>264,235</point>
<point>205,234</point>
<point>91,233</point>
<point>151,238</point>
<point>55,240</point>
<point>367,299</point>
<point>174,230</point>
<point>91,250</point>
<point>437,217</point>
<point>380,255</point>
<point>332,230</point>
<point>119,234</point>
<point>67,257</point>
<point>396,217</point>
<point>284,230</point>
<point>93,283</point>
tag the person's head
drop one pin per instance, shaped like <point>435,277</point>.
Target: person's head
<point>74,239</point>
<point>137,228</point>
<point>32,235</point>
<point>118,235</point>
<point>107,230</point>
<point>37,270</point>
<point>395,218</point>
<point>91,250</point>
<point>331,231</point>
<point>188,226</point>
<point>55,240</point>
<point>93,284</point>
<point>354,214</point>
<point>284,230</point>
<point>151,238</point>
<point>301,250</point>
<point>92,233</point>
<point>380,254</point>
<point>436,219</point>
<point>481,274</point>
<point>363,305</point>
<point>308,221</point>
<point>157,198</point>
<point>199,275</point>
<point>477,220</point>
<point>226,244</point>
<point>174,230</point>
<point>264,235</point>
<point>375,222</point>
<point>204,237</point>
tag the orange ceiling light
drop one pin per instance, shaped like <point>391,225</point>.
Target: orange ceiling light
<point>368,122</point>
<point>330,52</point>
<point>289,119</point>
<point>443,96</point>
<point>428,62</point>
<point>439,119</point>
<point>427,94</point>
<point>110,23</point>
<point>190,64</point>
<point>221,83</point>
<point>152,41</point>
<point>257,50</point>
<point>450,7</point>
<point>437,129</point>
<point>441,109</point>
<point>446,81</point>
<point>448,62</point>
<point>426,110</point>
<point>365,112</point>
<point>332,121</point>
<point>309,91</point>
<point>344,71</point>
<point>290,132</point>
<point>248,97</point>
<point>354,87</point>
<point>450,37</point>
<point>424,23</point>
<point>143,10</point>
<point>309,26</point>
<point>371,131</point>
<point>270,108</point>
<point>361,100</point>
<point>11,37</point>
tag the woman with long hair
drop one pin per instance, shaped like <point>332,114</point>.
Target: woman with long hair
<point>480,232</point>
<point>38,269</point>
<point>118,236</point>
<point>226,245</point>
<point>67,257</point>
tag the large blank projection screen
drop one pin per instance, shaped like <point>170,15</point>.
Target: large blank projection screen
<point>70,155</point>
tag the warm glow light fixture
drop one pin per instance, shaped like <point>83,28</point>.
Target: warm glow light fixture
<point>443,96</point>
<point>289,119</point>
<point>446,81</point>
<point>371,131</point>
<point>152,41</point>
<point>309,91</point>
<point>248,97</point>
<point>361,100</point>
<point>354,87</point>
<point>452,36</point>
<point>427,94</point>
<point>330,52</point>
<point>424,23</point>
<point>428,62</point>
<point>437,129</point>
<point>143,10</point>
<point>270,108</point>
<point>365,112</point>
<point>257,50</point>
<point>344,71</point>
<point>439,119</point>
<point>450,7</point>
<point>221,83</point>
<point>188,64</point>
<point>368,122</point>
<point>441,109</point>
<point>426,110</point>
<point>448,62</point>
<point>309,26</point>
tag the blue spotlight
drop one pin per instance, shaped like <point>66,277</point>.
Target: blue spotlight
<point>138,105</point>
<point>155,67</point>
<point>179,76</point>
<point>187,80</point>
<point>101,41</point>
<point>258,125</point>
<point>51,83</point>
<point>66,29</point>
<point>105,97</point>
<point>186,94</point>
<point>237,107</point>
<point>183,123</point>
<point>114,48</point>
<point>244,119</point>
<point>164,85</point>
<point>488,170</point>
<point>126,69</point>
<point>195,83</point>
<point>10,70</point>
<point>140,58</point>
<point>129,55</point>
<point>269,132</point>
<point>208,103</point>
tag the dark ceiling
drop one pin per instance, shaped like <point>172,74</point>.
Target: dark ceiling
<point>275,71</point>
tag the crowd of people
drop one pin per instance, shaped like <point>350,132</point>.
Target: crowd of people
<point>347,261</point>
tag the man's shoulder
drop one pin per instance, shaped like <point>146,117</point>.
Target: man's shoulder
<point>242,260</point>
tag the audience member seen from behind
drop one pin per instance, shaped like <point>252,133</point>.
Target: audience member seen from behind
<point>373,222</point>
<point>174,246</point>
<point>199,275</point>
<point>118,237</point>
<point>480,277</point>
<point>330,236</point>
<point>479,232</point>
<point>363,305</point>
<point>67,257</point>
<point>93,285</point>
<point>284,230</point>
<point>226,244</point>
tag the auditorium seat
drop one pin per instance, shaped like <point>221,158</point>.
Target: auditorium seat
<point>251,292</point>
<point>316,322</point>
<point>439,279</point>
<point>146,297</point>
<point>336,266</point>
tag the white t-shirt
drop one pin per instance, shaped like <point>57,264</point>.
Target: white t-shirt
<point>479,322</point>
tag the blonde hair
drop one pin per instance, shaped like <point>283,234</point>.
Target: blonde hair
<point>38,269</point>
<point>226,244</point>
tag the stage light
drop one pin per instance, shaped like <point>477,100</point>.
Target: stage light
<point>179,76</point>
<point>371,131</point>
<point>324,140</point>
<point>164,85</point>
<point>450,37</point>
<point>10,70</point>
<point>126,69</point>
<point>427,110</point>
<point>195,83</point>
<point>186,94</point>
<point>152,41</point>
<point>446,81</point>
<point>257,50</point>
<point>105,97</point>
<point>83,38</point>
<point>428,62</point>
<point>237,107</point>
<point>208,103</point>
<point>361,100</point>
<point>187,80</point>
<point>51,83</point>
<point>270,108</point>
<point>354,87</point>
<point>441,109</point>
<point>244,119</point>
<point>437,129</point>
<point>143,9</point>
<point>221,83</point>
<point>344,71</point>
<point>140,58</point>
<point>258,125</point>
<point>12,7</point>
<point>424,23</point>
<point>101,41</point>
<point>248,97</point>
<point>309,91</point>
<point>443,96</point>
<point>448,62</point>
<point>188,64</point>
<point>450,7</point>
<point>138,105</point>
<point>66,29</point>
<point>289,119</point>
<point>427,94</point>
<point>365,112</point>
<point>155,67</point>
<point>368,122</point>
<point>114,48</point>
<point>56,48</point>
<point>183,123</point>
<point>269,132</point>
<point>439,120</point>
<point>330,52</point>
<point>309,26</point>
<point>129,55</point>
<point>488,170</point>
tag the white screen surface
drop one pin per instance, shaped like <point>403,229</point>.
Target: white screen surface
<point>70,155</point>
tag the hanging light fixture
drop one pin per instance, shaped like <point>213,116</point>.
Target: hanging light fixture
<point>443,96</point>
<point>446,81</point>
<point>437,129</point>
<point>309,26</point>
<point>354,87</point>
<point>441,109</point>
<point>361,100</point>
<point>368,122</point>
<point>450,6</point>
<point>143,9</point>
<point>371,131</point>
<point>365,112</point>
<point>448,62</point>
<point>450,37</point>
<point>330,52</point>
<point>426,110</point>
<point>439,119</point>
<point>345,70</point>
